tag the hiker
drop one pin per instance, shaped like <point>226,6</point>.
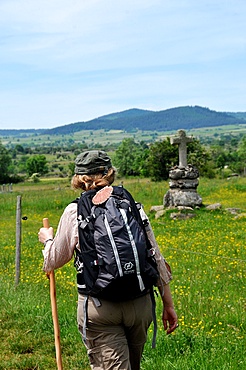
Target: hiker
<point>114,332</point>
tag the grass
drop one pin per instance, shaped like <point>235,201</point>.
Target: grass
<point>207,256</point>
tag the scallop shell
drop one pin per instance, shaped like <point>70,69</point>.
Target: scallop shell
<point>102,195</point>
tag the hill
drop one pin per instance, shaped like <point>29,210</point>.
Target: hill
<point>166,120</point>
<point>238,114</point>
<point>187,118</point>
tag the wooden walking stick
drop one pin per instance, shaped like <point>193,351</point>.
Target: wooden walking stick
<point>51,276</point>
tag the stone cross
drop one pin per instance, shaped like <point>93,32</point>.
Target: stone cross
<point>182,140</point>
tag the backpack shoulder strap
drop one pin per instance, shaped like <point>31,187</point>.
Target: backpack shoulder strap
<point>122,192</point>
<point>85,202</point>
<point>76,200</point>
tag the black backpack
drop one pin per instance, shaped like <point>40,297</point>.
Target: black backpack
<point>116,261</point>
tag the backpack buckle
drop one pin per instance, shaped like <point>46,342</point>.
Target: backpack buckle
<point>83,223</point>
<point>151,252</point>
<point>98,262</point>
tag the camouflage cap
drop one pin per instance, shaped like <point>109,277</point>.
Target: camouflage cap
<point>91,162</point>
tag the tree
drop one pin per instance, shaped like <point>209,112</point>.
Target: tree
<point>21,163</point>
<point>232,156</point>
<point>37,164</point>
<point>71,167</point>
<point>5,162</point>
<point>239,163</point>
<point>162,156</point>
<point>201,158</point>
<point>129,157</point>
<point>242,150</point>
<point>19,148</point>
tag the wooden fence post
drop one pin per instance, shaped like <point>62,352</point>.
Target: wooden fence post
<point>18,240</point>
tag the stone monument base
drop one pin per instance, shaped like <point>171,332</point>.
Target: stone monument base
<point>181,197</point>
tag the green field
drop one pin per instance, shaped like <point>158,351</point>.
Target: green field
<point>104,138</point>
<point>207,255</point>
<point>90,138</point>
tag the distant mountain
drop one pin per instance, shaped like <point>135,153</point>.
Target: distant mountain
<point>188,117</point>
<point>238,114</point>
<point>165,120</point>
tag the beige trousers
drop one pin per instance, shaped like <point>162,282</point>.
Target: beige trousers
<point>116,332</point>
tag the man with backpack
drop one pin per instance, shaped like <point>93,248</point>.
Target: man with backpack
<point>118,263</point>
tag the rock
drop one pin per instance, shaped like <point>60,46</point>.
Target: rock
<point>182,216</point>
<point>186,198</point>
<point>233,211</point>
<point>183,184</point>
<point>188,172</point>
<point>176,174</point>
<point>241,215</point>
<point>183,208</point>
<point>159,213</point>
<point>156,208</point>
<point>214,206</point>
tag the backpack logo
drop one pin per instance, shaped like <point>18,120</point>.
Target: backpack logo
<point>129,268</point>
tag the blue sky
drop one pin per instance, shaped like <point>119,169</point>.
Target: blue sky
<point>73,60</point>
